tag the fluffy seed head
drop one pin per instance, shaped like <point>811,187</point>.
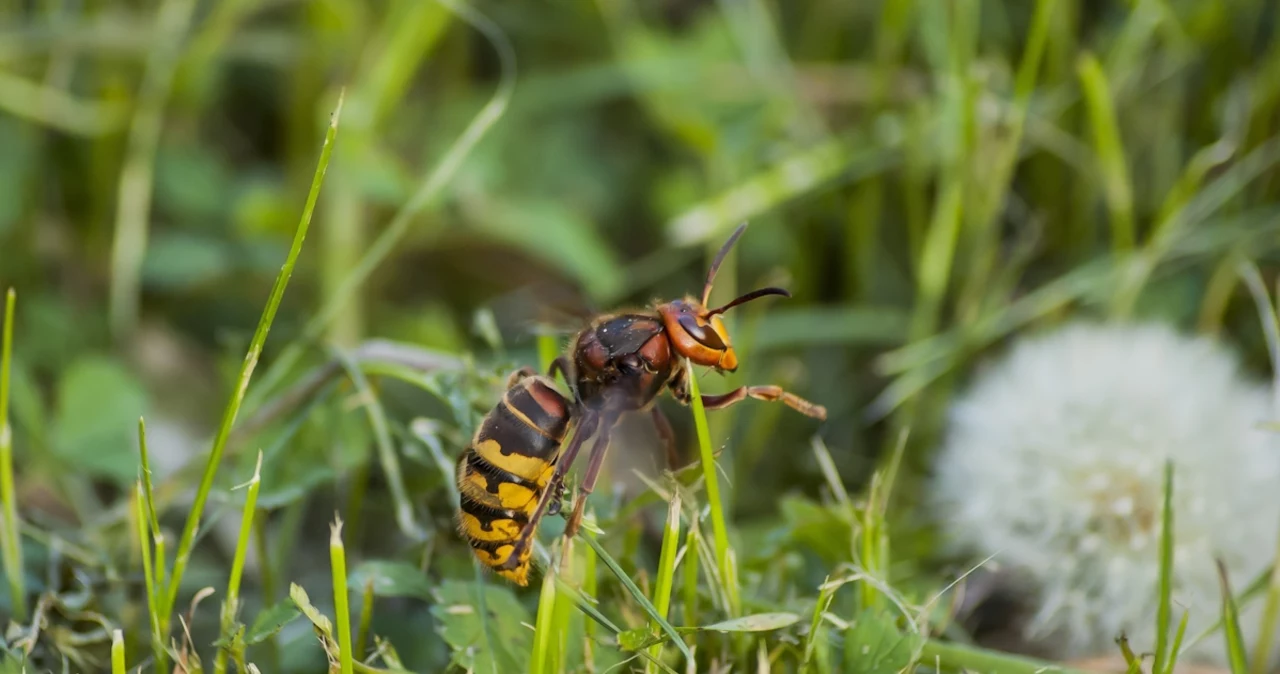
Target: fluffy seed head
<point>1053,461</point>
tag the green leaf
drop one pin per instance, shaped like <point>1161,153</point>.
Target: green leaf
<point>638,638</point>
<point>760,622</point>
<point>99,404</point>
<point>271,620</point>
<point>639,597</point>
<point>391,579</point>
<point>874,646</point>
<point>300,599</point>
<point>507,642</point>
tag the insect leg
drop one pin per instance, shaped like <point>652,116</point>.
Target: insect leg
<point>594,463</point>
<point>554,488</point>
<point>767,393</point>
<point>667,435</point>
<point>516,376</point>
<point>562,365</point>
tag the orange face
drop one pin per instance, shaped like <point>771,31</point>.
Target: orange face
<point>698,335</point>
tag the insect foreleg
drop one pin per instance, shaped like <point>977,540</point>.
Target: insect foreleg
<point>767,393</point>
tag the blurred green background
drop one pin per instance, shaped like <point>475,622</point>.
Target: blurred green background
<point>927,178</point>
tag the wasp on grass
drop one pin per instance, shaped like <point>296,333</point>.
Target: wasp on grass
<point>512,474</point>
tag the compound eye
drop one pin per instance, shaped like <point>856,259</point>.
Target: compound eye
<point>705,337</point>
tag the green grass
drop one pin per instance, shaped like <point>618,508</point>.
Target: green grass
<point>929,185</point>
<point>187,539</point>
<point>11,536</point>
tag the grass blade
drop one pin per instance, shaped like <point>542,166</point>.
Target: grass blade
<point>426,195</point>
<point>1166,577</point>
<point>148,491</point>
<point>117,652</point>
<point>636,594</point>
<point>1176,647</point>
<point>341,611</point>
<point>825,595</point>
<point>1231,625</point>
<point>187,539</point>
<point>366,618</point>
<point>690,590</point>
<point>710,476</point>
<point>1270,617</point>
<point>10,541</point>
<point>563,614</point>
<point>1116,183</point>
<point>154,591</point>
<point>540,661</point>
<point>666,566</point>
<point>231,605</point>
<point>952,657</point>
<point>133,198</point>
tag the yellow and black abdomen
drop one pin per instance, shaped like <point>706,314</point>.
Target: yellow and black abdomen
<point>505,470</point>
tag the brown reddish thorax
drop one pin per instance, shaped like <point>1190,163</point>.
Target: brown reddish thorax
<point>625,357</point>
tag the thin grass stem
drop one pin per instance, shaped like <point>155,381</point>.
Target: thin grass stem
<point>666,570</point>
<point>366,620</point>
<point>1236,656</point>
<point>10,541</point>
<point>1176,648</point>
<point>117,652</point>
<point>1117,185</point>
<point>425,196</point>
<point>341,609</point>
<point>133,197</point>
<point>1163,610</point>
<point>563,609</point>
<point>187,540</point>
<point>690,590</point>
<point>1270,618</point>
<point>540,661</point>
<point>711,479</point>
<point>148,577</point>
<point>231,606</point>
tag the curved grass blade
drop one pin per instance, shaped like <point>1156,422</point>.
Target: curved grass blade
<point>636,594</point>
<point>187,540</point>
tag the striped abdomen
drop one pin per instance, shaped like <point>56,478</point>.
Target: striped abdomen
<point>504,472</point>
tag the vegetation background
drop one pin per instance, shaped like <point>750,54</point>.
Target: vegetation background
<point>927,178</point>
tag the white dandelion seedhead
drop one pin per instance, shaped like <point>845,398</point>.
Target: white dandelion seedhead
<point>1054,463</point>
